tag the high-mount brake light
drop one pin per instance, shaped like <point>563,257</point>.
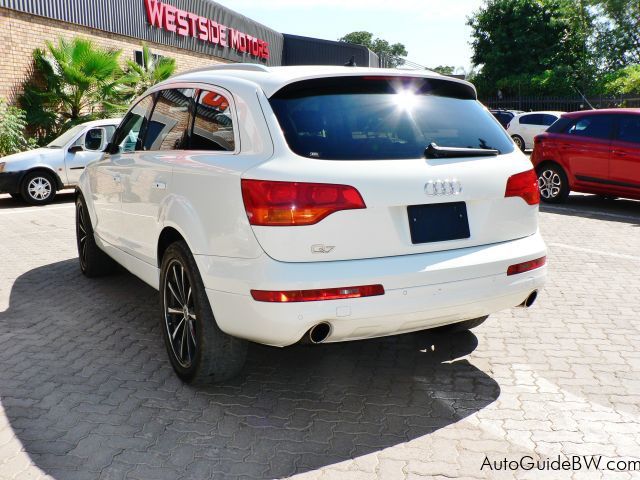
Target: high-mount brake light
<point>525,186</point>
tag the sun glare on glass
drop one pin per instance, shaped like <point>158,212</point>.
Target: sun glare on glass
<point>406,99</point>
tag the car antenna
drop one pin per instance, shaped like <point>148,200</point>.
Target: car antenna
<point>351,62</point>
<point>584,98</point>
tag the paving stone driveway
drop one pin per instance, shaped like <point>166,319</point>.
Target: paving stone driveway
<point>86,390</point>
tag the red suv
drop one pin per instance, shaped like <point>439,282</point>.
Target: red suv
<point>595,151</point>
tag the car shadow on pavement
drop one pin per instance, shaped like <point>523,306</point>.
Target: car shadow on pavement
<point>594,206</point>
<point>7,202</point>
<point>87,389</point>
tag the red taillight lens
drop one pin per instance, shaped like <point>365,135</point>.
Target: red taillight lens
<point>317,295</point>
<point>296,203</point>
<point>526,266</point>
<point>525,186</point>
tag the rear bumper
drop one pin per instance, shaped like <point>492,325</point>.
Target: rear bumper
<point>421,291</point>
<point>10,182</point>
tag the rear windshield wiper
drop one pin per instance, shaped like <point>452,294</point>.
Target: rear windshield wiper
<point>434,151</point>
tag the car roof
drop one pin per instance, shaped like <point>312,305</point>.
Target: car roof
<point>603,111</point>
<point>272,79</point>
<point>102,122</point>
<point>544,112</point>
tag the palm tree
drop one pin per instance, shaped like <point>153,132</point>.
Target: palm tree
<point>74,81</point>
<point>153,70</point>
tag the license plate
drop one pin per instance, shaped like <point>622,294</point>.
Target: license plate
<point>438,222</point>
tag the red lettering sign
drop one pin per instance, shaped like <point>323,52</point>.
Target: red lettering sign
<point>188,24</point>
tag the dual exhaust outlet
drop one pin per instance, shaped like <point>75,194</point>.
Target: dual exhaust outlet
<point>321,331</point>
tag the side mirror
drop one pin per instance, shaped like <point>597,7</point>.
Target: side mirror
<point>76,149</point>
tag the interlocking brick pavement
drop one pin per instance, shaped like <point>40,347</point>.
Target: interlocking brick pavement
<point>86,391</point>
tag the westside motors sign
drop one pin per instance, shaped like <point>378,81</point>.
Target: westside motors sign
<point>187,24</point>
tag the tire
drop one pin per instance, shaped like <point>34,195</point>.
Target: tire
<point>519,141</point>
<point>16,196</point>
<point>93,261</point>
<point>552,183</point>
<point>198,350</point>
<point>38,188</point>
<point>462,326</point>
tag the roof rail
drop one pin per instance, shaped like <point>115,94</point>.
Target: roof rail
<point>247,67</point>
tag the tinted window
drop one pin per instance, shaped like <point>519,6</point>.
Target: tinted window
<point>368,118</point>
<point>629,128</point>
<point>503,117</point>
<point>129,135</point>
<point>596,126</point>
<point>548,119</point>
<point>533,119</point>
<point>169,125</point>
<point>93,139</point>
<point>213,124</point>
<point>561,126</point>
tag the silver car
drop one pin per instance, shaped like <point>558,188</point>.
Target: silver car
<point>36,175</point>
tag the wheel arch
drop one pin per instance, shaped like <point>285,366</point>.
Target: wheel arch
<point>554,163</point>
<point>43,169</point>
<point>168,236</point>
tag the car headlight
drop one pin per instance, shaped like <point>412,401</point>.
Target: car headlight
<point>2,164</point>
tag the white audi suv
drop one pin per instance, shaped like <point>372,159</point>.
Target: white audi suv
<point>320,204</point>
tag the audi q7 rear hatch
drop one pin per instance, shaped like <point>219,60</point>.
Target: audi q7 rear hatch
<point>382,166</point>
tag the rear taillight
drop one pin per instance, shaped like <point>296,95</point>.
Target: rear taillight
<point>296,203</point>
<point>508,125</point>
<point>525,186</point>
<point>287,296</point>
<point>526,266</point>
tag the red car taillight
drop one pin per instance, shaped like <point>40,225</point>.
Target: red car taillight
<point>287,296</point>
<point>525,186</point>
<point>296,203</point>
<point>526,266</point>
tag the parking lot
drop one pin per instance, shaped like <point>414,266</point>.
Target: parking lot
<point>87,392</point>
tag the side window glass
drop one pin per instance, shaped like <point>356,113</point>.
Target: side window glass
<point>169,125</point>
<point>213,124</point>
<point>93,139</point>
<point>529,120</point>
<point>548,120</point>
<point>593,127</point>
<point>629,129</point>
<point>128,138</point>
<point>109,131</point>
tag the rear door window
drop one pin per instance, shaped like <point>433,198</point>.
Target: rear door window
<point>595,126</point>
<point>213,127</point>
<point>548,119</point>
<point>533,119</point>
<point>169,125</point>
<point>629,129</point>
<point>371,118</point>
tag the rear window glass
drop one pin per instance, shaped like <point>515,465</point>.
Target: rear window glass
<point>560,126</point>
<point>371,118</point>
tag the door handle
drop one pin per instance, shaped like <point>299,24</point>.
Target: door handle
<point>160,185</point>
<point>117,178</point>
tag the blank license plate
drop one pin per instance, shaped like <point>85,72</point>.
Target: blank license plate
<point>438,222</point>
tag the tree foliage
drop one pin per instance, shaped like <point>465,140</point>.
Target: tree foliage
<point>617,33</point>
<point>12,125</point>
<point>139,78</point>
<point>74,81</point>
<point>392,53</point>
<point>532,47</point>
<point>444,69</point>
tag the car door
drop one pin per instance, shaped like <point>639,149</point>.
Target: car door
<point>107,178</point>
<point>528,127</point>
<point>586,148</point>
<point>625,153</point>
<point>88,147</point>
<point>146,179</point>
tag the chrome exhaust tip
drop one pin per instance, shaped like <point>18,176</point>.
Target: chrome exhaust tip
<point>319,333</point>
<point>530,300</point>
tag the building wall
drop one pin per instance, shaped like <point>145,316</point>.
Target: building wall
<point>21,34</point>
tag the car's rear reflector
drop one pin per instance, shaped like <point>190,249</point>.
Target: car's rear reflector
<point>296,203</point>
<point>526,266</point>
<point>525,186</point>
<point>287,296</point>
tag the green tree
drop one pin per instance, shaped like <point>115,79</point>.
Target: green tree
<point>529,47</point>
<point>139,78</point>
<point>617,32</point>
<point>12,125</point>
<point>444,69</point>
<point>623,81</point>
<point>74,81</point>
<point>393,54</point>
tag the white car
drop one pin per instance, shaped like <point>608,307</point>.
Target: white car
<point>36,175</point>
<point>524,127</point>
<point>283,204</point>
